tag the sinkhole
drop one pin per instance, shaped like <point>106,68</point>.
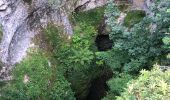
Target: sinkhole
<point>99,86</point>
<point>103,42</point>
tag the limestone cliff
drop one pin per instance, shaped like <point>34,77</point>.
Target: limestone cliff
<point>21,20</point>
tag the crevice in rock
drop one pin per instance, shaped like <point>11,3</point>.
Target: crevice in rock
<point>82,6</point>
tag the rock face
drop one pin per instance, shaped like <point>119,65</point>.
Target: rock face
<point>90,4</point>
<point>21,20</point>
<point>142,5</point>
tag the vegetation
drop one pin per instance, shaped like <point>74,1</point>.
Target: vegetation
<point>152,85</point>
<point>91,17</point>
<point>75,57</point>
<point>133,17</point>
<point>63,68</point>
<point>117,85</point>
<point>34,78</point>
<point>139,47</point>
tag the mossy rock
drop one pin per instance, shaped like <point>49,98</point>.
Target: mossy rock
<point>133,17</point>
<point>92,17</point>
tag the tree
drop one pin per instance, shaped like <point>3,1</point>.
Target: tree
<point>142,44</point>
<point>150,85</point>
<point>137,47</point>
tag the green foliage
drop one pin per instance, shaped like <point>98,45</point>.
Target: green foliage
<point>61,89</point>
<point>136,47</point>
<point>81,57</point>
<point>58,47</point>
<point>142,43</point>
<point>80,45</point>
<point>92,17</point>
<point>75,56</point>
<point>56,39</point>
<point>162,19</point>
<point>117,85</point>
<point>133,17</point>
<point>35,79</point>
<point>166,40</point>
<point>137,44</point>
<point>80,83</point>
<point>113,59</point>
<point>151,85</point>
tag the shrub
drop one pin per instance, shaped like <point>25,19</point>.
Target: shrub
<point>150,85</point>
<point>142,44</point>
<point>35,79</point>
<point>117,85</point>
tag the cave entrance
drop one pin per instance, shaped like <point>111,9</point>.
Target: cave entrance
<point>99,86</point>
<point>103,42</point>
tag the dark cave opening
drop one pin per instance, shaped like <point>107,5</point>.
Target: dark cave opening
<point>99,86</point>
<point>103,42</point>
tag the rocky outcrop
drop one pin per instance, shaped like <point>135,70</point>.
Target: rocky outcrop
<point>89,4</point>
<point>21,20</point>
<point>142,5</point>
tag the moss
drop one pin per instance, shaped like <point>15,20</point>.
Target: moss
<point>92,17</point>
<point>134,17</point>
